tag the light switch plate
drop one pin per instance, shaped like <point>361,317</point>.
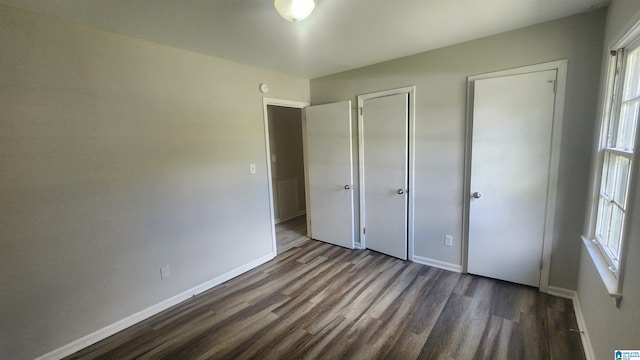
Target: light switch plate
<point>165,272</point>
<point>252,168</point>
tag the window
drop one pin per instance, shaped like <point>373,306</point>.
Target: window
<point>616,160</point>
<point>618,140</point>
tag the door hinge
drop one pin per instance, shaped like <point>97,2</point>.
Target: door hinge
<point>541,262</point>
<point>361,111</point>
<point>364,231</point>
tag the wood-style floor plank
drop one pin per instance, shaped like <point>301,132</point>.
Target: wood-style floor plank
<point>290,233</point>
<point>319,301</point>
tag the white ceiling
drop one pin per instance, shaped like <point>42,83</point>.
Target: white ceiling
<point>339,35</point>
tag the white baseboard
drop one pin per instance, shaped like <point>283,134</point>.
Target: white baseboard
<point>586,340</point>
<point>437,264</point>
<point>570,294</point>
<point>301,212</point>
<point>120,325</point>
<point>561,292</point>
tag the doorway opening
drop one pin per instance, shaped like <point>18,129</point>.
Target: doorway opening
<point>284,127</point>
<point>327,153</point>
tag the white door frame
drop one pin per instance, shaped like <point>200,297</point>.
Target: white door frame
<point>411,92</point>
<point>290,104</point>
<point>554,164</point>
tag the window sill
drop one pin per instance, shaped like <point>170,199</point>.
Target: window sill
<point>610,281</point>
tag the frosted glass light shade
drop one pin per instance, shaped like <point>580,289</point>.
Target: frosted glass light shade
<point>294,10</point>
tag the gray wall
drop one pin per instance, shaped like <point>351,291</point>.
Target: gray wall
<point>285,141</point>
<point>118,156</point>
<point>440,79</point>
<point>612,328</point>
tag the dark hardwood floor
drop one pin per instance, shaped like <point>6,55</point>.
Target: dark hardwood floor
<point>318,301</point>
<point>290,233</point>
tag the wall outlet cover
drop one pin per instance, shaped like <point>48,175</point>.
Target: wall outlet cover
<point>448,240</point>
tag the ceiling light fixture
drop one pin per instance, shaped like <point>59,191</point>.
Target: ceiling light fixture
<point>294,10</point>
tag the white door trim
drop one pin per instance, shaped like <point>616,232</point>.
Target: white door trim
<point>411,91</point>
<point>554,165</point>
<point>291,104</point>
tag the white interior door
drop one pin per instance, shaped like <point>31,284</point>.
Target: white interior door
<point>330,173</point>
<point>511,148</point>
<point>385,154</point>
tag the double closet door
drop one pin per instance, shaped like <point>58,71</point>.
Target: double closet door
<point>383,144</point>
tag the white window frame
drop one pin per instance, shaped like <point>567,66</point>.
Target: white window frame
<point>612,270</point>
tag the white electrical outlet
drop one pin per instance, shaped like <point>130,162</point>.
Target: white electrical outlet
<point>448,240</point>
<point>252,168</point>
<point>165,272</point>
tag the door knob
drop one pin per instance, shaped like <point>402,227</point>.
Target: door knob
<point>476,195</point>
<point>400,191</point>
<point>347,187</point>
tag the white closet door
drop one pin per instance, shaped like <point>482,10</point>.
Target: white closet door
<point>330,173</point>
<point>385,129</point>
<point>511,148</point>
